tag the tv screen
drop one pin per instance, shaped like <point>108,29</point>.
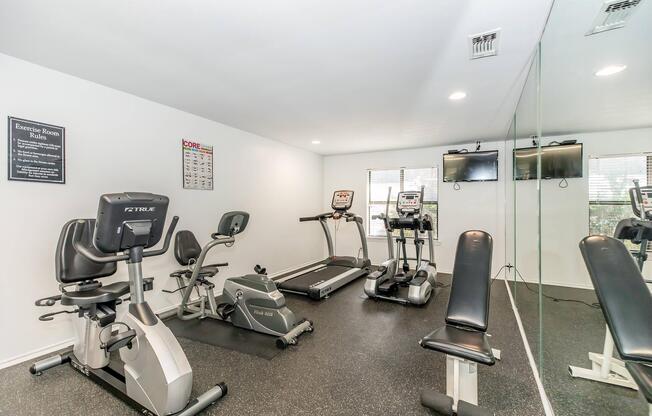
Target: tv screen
<point>471,166</point>
<point>557,162</point>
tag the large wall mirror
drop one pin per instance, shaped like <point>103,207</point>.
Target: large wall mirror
<point>583,134</point>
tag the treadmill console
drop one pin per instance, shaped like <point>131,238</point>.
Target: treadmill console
<point>408,202</point>
<point>342,200</point>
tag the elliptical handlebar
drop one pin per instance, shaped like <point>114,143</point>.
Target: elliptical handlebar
<point>637,202</point>
<point>77,236</point>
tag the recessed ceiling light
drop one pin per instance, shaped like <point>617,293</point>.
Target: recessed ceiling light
<point>457,95</point>
<point>610,70</point>
<point>315,142</point>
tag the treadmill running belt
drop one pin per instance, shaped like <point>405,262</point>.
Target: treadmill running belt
<point>303,282</point>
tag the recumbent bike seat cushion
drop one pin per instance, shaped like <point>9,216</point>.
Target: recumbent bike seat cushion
<point>101,294</point>
<point>186,247</point>
<point>73,267</point>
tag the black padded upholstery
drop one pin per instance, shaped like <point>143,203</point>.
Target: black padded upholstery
<point>102,294</point>
<point>625,299</point>
<point>186,247</point>
<point>468,305</point>
<point>70,266</point>
<point>233,223</point>
<point>642,375</point>
<point>465,343</point>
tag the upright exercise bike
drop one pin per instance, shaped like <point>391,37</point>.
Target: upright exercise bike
<point>386,281</point>
<point>153,374</point>
<point>252,301</point>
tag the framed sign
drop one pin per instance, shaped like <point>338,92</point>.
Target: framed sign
<point>197,165</point>
<point>36,151</point>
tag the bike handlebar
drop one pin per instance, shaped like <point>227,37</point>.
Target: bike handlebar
<point>77,234</point>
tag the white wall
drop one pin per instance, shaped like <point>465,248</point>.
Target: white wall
<point>490,206</point>
<point>118,142</point>
<point>564,212</point>
<point>478,205</point>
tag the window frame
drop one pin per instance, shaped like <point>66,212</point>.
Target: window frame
<point>369,202</point>
<point>615,203</point>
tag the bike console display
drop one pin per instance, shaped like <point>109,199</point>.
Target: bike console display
<point>409,202</point>
<point>126,220</point>
<point>342,200</point>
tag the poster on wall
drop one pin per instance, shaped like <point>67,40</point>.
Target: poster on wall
<point>36,151</point>
<point>197,165</point>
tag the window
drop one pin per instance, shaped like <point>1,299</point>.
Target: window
<point>402,179</point>
<point>610,179</point>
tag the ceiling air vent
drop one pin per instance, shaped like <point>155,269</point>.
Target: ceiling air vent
<point>613,15</point>
<point>484,44</point>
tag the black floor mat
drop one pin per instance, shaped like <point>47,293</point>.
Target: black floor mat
<point>225,335</point>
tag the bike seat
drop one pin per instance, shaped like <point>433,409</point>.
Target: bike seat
<point>207,271</point>
<point>463,343</point>
<point>101,294</point>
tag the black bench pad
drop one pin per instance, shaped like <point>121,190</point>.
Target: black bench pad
<point>642,375</point>
<point>464,343</point>
<point>625,298</point>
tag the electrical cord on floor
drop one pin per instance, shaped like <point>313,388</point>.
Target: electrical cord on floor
<point>493,279</point>
<point>594,305</point>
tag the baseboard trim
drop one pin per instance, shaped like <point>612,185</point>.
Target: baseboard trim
<point>547,407</point>
<point>36,353</point>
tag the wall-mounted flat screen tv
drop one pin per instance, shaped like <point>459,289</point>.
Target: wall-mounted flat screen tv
<point>557,162</point>
<point>471,166</point>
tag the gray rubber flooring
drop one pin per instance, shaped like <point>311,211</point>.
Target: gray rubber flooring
<point>570,331</point>
<point>362,359</point>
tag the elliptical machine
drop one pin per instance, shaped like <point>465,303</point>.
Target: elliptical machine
<point>386,281</point>
<point>153,374</point>
<point>638,229</point>
<point>251,302</point>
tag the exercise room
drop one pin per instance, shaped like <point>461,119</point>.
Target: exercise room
<point>422,207</point>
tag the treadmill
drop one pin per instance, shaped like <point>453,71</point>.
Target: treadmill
<point>318,280</point>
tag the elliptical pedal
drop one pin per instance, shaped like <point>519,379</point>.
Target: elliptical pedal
<point>387,287</point>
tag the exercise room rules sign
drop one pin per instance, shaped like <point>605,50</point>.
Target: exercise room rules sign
<point>36,151</point>
<point>197,165</point>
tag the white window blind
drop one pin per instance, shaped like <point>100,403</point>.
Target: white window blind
<point>610,179</point>
<point>402,179</point>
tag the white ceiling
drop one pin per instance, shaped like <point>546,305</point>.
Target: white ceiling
<point>358,75</point>
<point>573,99</point>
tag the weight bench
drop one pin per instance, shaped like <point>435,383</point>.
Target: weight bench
<point>626,303</point>
<point>464,339</point>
